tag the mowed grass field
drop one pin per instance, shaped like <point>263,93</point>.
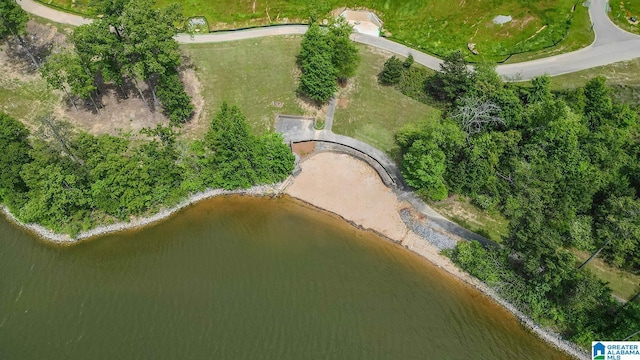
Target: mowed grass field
<point>372,112</point>
<point>258,75</point>
<point>436,26</point>
<point>621,73</point>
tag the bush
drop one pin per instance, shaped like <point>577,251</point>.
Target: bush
<point>408,62</point>
<point>477,261</point>
<point>175,101</point>
<point>391,72</point>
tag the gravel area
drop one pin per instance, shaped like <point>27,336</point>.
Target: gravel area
<point>426,232</point>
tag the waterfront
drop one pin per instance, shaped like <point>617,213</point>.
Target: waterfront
<point>238,277</point>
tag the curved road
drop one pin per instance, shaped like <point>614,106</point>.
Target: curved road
<point>611,45</point>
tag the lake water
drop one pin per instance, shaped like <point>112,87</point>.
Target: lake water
<point>243,278</point>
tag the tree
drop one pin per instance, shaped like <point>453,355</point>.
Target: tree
<point>232,147</point>
<point>57,190</point>
<point>423,167</point>
<point>52,72</point>
<point>273,158</point>
<point>408,61</point>
<point>475,114</point>
<point>618,224</point>
<point>13,20</point>
<point>150,48</point>
<point>325,57</point>
<point>598,104</point>
<point>175,101</point>
<point>134,40</point>
<point>14,153</point>
<point>65,71</point>
<point>344,54</point>
<point>391,71</point>
<point>101,50</point>
<point>453,80</point>
<point>318,80</point>
<point>540,90</point>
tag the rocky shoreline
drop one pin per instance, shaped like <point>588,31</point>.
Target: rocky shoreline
<point>65,239</point>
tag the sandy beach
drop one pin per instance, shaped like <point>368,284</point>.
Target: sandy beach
<point>350,188</point>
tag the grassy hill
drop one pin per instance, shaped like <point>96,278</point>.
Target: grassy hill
<point>437,26</point>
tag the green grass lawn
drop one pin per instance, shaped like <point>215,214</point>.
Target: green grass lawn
<point>437,26</point>
<point>25,97</point>
<point>253,74</point>
<point>622,10</point>
<point>578,36</point>
<point>372,112</point>
<point>621,73</point>
<point>623,284</point>
<point>490,224</point>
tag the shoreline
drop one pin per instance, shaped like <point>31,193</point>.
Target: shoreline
<point>54,238</point>
<point>322,168</point>
<point>346,205</point>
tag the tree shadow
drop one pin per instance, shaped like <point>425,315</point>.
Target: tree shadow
<point>24,50</point>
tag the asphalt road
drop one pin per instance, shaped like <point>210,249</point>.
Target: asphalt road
<point>611,45</point>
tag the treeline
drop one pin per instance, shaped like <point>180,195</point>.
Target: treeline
<point>129,42</point>
<point>565,170</point>
<point>70,182</point>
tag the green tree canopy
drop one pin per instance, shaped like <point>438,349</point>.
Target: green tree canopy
<point>13,20</point>
<point>391,71</point>
<point>453,80</point>
<point>14,153</point>
<point>326,56</point>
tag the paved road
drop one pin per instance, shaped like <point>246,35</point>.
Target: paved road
<point>61,17</point>
<point>331,111</point>
<point>611,45</point>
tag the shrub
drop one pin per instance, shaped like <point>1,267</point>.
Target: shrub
<point>391,72</point>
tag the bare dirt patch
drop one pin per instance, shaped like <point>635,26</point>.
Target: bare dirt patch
<point>521,23</point>
<point>311,109</point>
<point>304,149</point>
<point>40,40</point>
<point>193,87</point>
<point>117,114</point>
<point>120,109</point>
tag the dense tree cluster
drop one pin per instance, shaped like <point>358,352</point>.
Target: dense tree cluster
<point>327,56</point>
<point>563,169</point>
<point>13,20</point>
<point>70,181</point>
<point>129,42</point>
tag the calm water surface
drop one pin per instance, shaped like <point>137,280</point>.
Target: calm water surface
<point>241,278</point>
